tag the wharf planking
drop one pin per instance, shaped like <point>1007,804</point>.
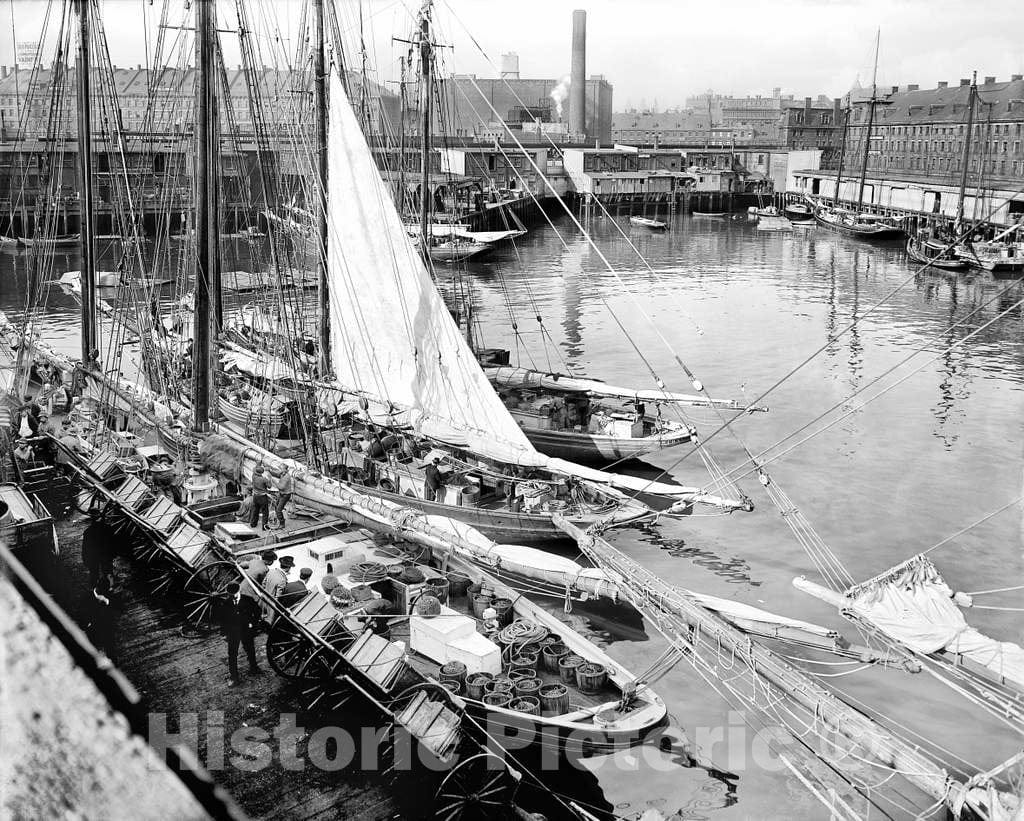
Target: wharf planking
<point>180,674</point>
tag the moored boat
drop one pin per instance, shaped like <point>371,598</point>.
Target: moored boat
<point>934,253</point>
<point>860,224</point>
<point>62,241</point>
<point>644,222</point>
<point>798,212</point>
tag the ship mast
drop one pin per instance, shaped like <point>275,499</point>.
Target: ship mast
<point>842,154</point>
<point>90,350</point>
<point>207,228</point>
<point>871,122</point>
<point>967,152</point>
<point>320,105</point>
<point>425,61</point>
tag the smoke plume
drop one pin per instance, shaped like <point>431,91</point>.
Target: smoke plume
<point>560,92</point>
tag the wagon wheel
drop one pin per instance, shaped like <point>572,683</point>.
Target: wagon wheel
<point>324,690</point>
<point>90,502</point>
<point>162,577</point>
<point>147,550</point>
<point>205,588</point>
<point>478,787</point>
<point>287,648</point>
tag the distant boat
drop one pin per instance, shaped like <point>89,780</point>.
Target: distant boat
<point>997,257</point>
<point>64,241</point>
<point>709,213</point>
<point>858,223</point>
<point>644,222</point>
<point>773,223</point>
<point>799,212</point>
<point>935,253</point>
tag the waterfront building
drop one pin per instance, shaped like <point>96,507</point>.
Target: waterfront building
<point>915,157</point>
<point>625,173</point>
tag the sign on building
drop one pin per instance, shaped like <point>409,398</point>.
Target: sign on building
<point>26,53</point>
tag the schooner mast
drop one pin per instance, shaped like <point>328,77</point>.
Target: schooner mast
<point>90,349</point>
<point>972,95</point>
<point>207,291</point>
<point>871,123</point>
<point>426,56</point>
<point>320,107</point>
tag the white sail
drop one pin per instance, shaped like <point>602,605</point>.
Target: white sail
<point>391,335</point>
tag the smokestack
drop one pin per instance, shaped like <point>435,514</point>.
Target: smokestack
<point>578,84</point>
<point>943,84</point>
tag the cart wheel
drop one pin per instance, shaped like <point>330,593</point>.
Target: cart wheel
<point>162,577</point>
<point>478,787</point>
<point>203,590</point>
<point>287,649</point>
<point>147,551</point>
<point>324,691</point>
<point>90,503</point>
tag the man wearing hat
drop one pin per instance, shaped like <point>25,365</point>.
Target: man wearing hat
<point>239,619</point>
<point>285,485</point>
<point>274,583</point>
<point>260,497</point>
<point>434,479</point>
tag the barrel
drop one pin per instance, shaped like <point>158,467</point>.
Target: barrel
<point>500,699</point>
<point>498,686</point>
<point>504,608</point>
<point>567,665</point>
<point>591,677</point>
<point>516,673</point>
<point>525,660</point>
<point>526,704</point>
<point>527,687</point>
<point>454,671</point>
<point>480,603</point>
<point>554,699</point>
<point>458,583</point>
<point>551,654</point>
<point>475,684</point>
<point>453,686</point>
<point>440,586</point>
<point>469,496</point>
<point>395,571</point>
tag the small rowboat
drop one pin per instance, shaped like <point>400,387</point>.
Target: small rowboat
<point>709,213</point>
<point>799,212</point>
<point>644,222</point>
<point>64,241</point>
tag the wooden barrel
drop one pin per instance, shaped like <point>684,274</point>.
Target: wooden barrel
<point>500,699</point>
<point>454,671</point>
<point>439,585</point>
<point>524,660</point>
<point>458,583</point>
<point>527,687</point>
<point>504,608</point>
<point>516,673</point>
<point>554,699</point>
<point>590,677</point>
<point>476,684</point>
<point>551,654</point>
<point>567,665</point>
<point>496,685</point>
<point>526,704</point>
<point>480,603</point>
<point>453,686</point>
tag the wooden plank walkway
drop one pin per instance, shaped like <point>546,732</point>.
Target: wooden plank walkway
<point>184,676</point>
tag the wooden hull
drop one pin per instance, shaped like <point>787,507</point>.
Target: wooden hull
<point>801,214</point>
<point>502,526</point>
<point>653,225</point>
<point>590,447</point>
<point>945,263</point>
<point>69,241</point>
<point>874,234</point>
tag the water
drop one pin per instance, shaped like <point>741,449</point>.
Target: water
<point>901,473</point>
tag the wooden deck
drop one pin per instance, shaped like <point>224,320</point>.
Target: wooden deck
<point>179,675</point>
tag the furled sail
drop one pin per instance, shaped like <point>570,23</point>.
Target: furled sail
<point>912,604</point>
<point>391,335</point>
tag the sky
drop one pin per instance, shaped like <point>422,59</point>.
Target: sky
<point>650,50</point>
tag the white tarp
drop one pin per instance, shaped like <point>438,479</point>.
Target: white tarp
<point>913,605</point>
<point>391,333</point>
<point>526,378</point>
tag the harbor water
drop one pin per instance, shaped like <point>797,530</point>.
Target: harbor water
<point>899,474</point>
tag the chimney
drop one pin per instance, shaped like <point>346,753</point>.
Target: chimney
<point>943,84</point>
<point>989,80</point>
<point>578,78</point>
<point>895,89</point>
<point>1015,77</point>
<point>3,72</point>
<point>510,66</point>
<point>913,87</point>
<point>807,103</point>
<point>837,110</point>
<point>964,82</point>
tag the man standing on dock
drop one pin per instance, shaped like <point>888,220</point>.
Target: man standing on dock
<point>239,621</point>
<point>260,498</point>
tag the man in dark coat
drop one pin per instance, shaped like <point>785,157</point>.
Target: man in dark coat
<point>433,480</point>
<point>240,617</point>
